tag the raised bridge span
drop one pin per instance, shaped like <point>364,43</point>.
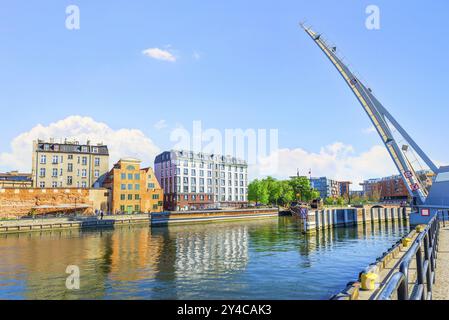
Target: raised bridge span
<point>410,269</point>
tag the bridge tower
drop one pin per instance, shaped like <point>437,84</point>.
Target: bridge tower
<point>391,132</point>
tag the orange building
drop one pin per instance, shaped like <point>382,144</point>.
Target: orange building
<point>133,189</point>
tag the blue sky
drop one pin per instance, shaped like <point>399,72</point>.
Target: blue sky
<point>239,64</point>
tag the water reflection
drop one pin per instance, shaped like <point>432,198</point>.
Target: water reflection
<point>263,259</point>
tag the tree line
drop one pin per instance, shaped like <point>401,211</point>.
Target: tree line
<point>281,192</point>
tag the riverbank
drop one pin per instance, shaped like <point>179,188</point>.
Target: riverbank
<point>155,219</point>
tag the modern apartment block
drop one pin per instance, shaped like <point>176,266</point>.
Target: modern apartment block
<point>133,189</point>
<point>194,181</point>
<point>329,188</point>
<point>68,164</point>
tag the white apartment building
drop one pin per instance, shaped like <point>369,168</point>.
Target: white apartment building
<point>199,181</point>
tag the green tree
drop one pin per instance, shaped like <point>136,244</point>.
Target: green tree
<point>287,193</point>
<point>301,188</point>
<point>258,192</point>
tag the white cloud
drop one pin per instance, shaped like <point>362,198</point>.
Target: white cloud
<point>159,54</point>
<point>369,130</point>
<point>161,124</point>
<point>337,161</point>
<point>121,142</point>
<point>196,55</point>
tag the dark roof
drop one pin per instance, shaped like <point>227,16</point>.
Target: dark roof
<point>72,148</point>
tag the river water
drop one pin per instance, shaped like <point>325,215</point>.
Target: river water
<point>260,259</point>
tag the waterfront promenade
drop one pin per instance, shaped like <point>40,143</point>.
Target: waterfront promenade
<point>441,289</point>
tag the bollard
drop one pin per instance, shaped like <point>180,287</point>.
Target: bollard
<point>406,242</point>
<point>368,281</point>
<point>421,228</point>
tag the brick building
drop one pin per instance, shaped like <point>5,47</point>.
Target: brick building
<point>133,189</point>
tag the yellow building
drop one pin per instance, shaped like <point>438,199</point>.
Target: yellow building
<point>68,164</point>
<point>133,189</point>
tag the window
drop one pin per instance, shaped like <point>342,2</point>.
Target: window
<point>70,157</point>
<point>97,162</point>
<point>193,172</point>
<point>96,173</point>
<point>151,186</point>
<point>122,197</point>
<point>154,206</point>
<point>137,197</point>
<point>70,167</point>
<point>69,180</point>
<point>130,186</point>
<point>137,208</point>
<point>130,196</point>
<point>60,172</point>
<point>42,184</point>
<point>54,172</point>
<point>42,173</point>
<point>84,173</point>
<point>137,187</point>
<point>94,149</point>
<point>84,161</point>
<point>186,172</point>
<point>122,208</point>
<point>55,160</point>
<point>156,197</point>
<point>130,176</point>
<point>123,176</point>
<point>123,186</point>
<point>54,184</point>
<point>43,159</point>
<point>137,176</point>
<point>84,184</point>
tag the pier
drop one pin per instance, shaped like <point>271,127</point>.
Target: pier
<point>343,217</point>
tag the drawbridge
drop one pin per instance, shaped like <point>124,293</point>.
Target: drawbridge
<point>406,154</point>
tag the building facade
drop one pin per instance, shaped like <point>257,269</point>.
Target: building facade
<point>193,181</point>
<point>329,188</point>
<point>133,189</point>
<point>14,179</point>
<point>68,164</point>
<point>392,188</point>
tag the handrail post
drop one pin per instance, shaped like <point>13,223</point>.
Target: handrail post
<point>420,270</point>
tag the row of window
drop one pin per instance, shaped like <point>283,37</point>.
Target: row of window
<point>56,184</point>
<point>60,159</point>
<point>203,197</point>
<point>130,176</point>
<point>55,173</point>
<point>201,165</point>
<point>130,186</point>
<point>83,148</point>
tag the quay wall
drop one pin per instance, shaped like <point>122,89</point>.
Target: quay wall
<point>17,203</point>
<point>109,221</point>
<point>331,218</point>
